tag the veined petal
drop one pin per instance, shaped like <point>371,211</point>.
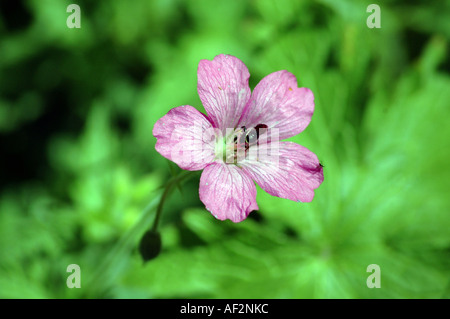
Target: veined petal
<point>227,192</point>
<point>277,102</point>
<point>293,174</point>
<point>186,137</point>
<point>223,89</point>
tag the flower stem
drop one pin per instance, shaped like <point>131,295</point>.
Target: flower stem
<point>116,260</point>
<point>169,187</point>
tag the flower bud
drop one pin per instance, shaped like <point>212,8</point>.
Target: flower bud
<point>150,245</point>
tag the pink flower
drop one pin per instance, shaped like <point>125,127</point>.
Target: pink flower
<point>238,141</point>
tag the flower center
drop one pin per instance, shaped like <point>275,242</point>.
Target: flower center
<point>234,148</point>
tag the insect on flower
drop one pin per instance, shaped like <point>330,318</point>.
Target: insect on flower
<point>239,142</point>
<point>245,138</point>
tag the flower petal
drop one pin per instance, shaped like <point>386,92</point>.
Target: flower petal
<point>223,89</point>
<point>293,172</point>
<point>227,192</point>
<point>278,102</point>
<point>185,136</point>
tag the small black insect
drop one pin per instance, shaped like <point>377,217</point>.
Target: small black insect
<point>244,138</point>
<point>252,135</point>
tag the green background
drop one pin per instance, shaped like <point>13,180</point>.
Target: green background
<point>79,167</point>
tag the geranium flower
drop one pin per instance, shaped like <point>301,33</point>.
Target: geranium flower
<point>228,142</point>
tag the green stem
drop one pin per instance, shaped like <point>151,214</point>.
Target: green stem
<point>170,185</point>
<point>113,263</point>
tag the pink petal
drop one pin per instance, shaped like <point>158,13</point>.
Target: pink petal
<point>278,102</point>
<point>223,89</point>
<point>186,137</point>
<point>227,192</point>
<point>294,175</point>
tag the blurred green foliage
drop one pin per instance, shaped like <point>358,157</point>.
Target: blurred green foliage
<point>77,108</point>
